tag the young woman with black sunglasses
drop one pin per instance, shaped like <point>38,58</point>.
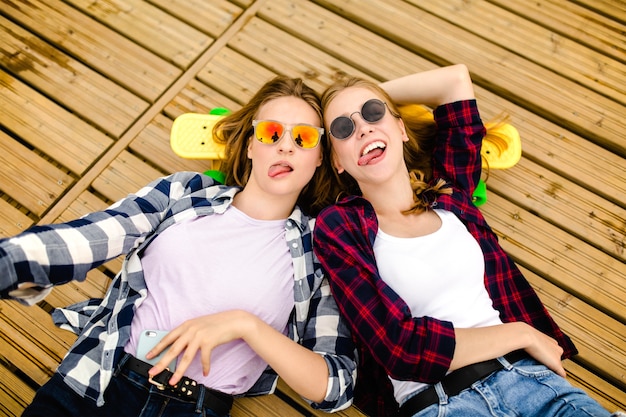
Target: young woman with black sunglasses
<point>445,322</point>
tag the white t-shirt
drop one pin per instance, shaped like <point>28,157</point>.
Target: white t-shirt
<point>440,275</point>
<point>212,264</point>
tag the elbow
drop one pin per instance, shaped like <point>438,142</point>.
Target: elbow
<point>340,388</point>
<point>460,83</point>
<point>427,355</point>
<point>459,74</point>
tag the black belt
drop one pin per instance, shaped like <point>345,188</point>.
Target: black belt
<point>457,381</point>
<point>186,388</point>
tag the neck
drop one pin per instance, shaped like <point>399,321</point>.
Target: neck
<point>390,201</point>
<point>262,206</point>
<point>391,197</point>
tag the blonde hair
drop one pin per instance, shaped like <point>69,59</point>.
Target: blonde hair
<point>420,129</point>
<point>235,131</point>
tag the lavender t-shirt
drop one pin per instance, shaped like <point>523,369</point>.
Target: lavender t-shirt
<point>212,264</point>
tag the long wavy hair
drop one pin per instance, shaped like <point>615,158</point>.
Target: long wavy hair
<point>235,131</point>
<point>421,131</point>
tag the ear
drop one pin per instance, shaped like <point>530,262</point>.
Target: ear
<point>250,148</point>
<point>337,164</point>
<point>405,137</point>
<point>320,160</point>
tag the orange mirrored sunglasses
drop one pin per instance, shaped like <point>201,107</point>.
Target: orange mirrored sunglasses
<point>270,132</point>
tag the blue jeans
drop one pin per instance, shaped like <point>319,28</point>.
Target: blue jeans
<point>524,389</point>
<point>128,394</point>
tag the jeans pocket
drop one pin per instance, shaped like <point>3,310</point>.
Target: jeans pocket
<point>532,369</point>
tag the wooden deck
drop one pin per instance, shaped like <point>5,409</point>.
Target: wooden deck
<point>89,90</point>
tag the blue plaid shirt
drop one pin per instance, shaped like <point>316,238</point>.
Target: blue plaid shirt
<point>55,254</point>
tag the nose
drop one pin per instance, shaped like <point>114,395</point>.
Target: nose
<point>286,143</point>
<point>361,126</point>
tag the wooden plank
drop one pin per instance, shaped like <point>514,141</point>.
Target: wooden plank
<point>530,85</point>
<point>234,75</point>
<point>285,390</point>
<point>48,127</point>
<point>211,17</point>
<point>154,29</point>
<point>566,205</point>
<point>68,82</point>
<point>12,220</point>
<point>263,406</point>
<point>616,9</point>
<point>85,203</point>
<point>361,49</point>
<point>567,57</point>
<point>31,342</point>
<point>265,44</point>
<point>103,49</point>
<point>126,174</point>
<point>576,267</point>
<point>598,337</point>
<point>243,3</point>
<point>573,21</point>
<point>196,97</point>
<point>15,395</point>
<point>609,396</point>
<point>29,179</point>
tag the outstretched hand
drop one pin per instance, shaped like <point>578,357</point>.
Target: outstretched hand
<point>201,334</point>
<point>546,350</point>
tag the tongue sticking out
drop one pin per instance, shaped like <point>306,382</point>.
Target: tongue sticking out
<point>367,158</point>
<point>276,170</point>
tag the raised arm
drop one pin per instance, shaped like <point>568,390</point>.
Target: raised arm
<point>432,88</point>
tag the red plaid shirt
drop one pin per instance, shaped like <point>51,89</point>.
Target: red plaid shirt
<point>391,341</point>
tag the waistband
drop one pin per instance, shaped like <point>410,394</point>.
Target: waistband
<point>457,381</point>
<point>187,389</point>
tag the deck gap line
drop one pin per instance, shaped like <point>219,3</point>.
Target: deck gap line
<point>84,182</point>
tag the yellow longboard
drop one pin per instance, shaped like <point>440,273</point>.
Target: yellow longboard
<point>191,136</point>
<point>502,147</point>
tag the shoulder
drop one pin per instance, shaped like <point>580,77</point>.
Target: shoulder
<point>190,179</point>
<point>349,215</point>
<point>346,207</point>
<point>177,184</point>
<point>184,190</point>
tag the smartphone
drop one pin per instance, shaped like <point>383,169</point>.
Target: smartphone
<point>147,340</point>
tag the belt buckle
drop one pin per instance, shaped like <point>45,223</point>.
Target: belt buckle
<point>160,385</point>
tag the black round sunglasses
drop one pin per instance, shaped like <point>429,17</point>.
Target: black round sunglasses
<point>372,111</point>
